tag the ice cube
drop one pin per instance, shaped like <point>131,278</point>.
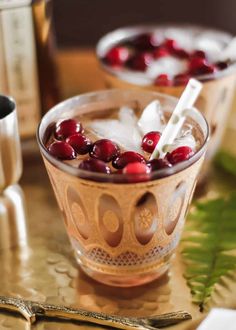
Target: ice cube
<point>209,45</point>
<point>229,53</point>
<point>152,118</point>
<point>167,65</point>
<point>127,136</point>
<point>127,116</point>
<point>187,140</point>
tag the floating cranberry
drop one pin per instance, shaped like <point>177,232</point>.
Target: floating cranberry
<point>127,157</point>
<point>140,61</point>
<point>181,79</point>
<point>61,150</point>
<point>158,164</point>
<point>160,52</point>
<point>95,165</point>
<point>196,63</point>
<point>199,66</point>
<point>150,141</point>
<point>140,170</point>
<point>198,54</point>
<point>180,154</point>
<point>105,150</point>
<point>66,128</point>
<point>117,55</point>
<point>163,80</point>
<point>81,143</point>
<point>205,69</point>
<point>181,53</point>
<point>171,45</point>
<point>222,65</point>
<point>145,41</point>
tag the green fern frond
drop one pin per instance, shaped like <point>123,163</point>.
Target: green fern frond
<point>209,246</point>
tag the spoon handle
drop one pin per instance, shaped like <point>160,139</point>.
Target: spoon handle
<point>31,310</point>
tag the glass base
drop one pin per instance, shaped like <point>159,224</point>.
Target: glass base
<point>123,280</point>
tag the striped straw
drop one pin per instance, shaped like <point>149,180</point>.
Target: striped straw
<point>177,118</point>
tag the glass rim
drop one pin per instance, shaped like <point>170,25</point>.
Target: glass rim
<point>139,28</point>
<point>116,178</point>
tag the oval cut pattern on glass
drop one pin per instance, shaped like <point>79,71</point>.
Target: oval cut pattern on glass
<point>78,213</point>
<point>145,215</point>
<point>110,220</point>
<point>174,208</point>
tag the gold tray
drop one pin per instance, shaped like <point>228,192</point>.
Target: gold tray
<point>45,270</point>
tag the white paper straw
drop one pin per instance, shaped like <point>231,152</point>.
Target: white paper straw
<point>177,118</point>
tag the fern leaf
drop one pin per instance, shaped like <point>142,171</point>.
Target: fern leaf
<point>209,247</point>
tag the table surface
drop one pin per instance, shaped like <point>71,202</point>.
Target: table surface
<point>45,270</point>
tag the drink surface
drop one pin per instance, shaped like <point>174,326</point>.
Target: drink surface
<point>120,141</point>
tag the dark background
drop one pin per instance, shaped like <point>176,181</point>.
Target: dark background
<point>83,22</point>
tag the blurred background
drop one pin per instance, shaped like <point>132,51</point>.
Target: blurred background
<point>83,22</point>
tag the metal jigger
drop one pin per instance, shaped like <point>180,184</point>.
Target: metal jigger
<point>12,210</point>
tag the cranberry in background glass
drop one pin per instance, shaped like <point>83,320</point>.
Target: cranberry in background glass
<point>158,164</point>
<point>105,150</point>
<point>127,157</point>
<point>81,143</point>
<point>66,128</point>
<point>198,54</point>
<point>163,80</point>
<point>179,154</point>
<point>181,79</point>
<point>95,165</point>
<point>145,41</point>
<point>61,150</point>
<point>150,141</point>
<point>140,61</point>
<point>117,55</point>
<point>160,52</point>
<point>171,45</point>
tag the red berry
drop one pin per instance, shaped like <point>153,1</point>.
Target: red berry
<point>181,79</point>
<point>95,165</point>
<point>105,150</point>
<point>163,80</point>
<point>205,69</point>
<point>61,150</point>
<point>199,66</point>
<point>150,141</point>
<point>180,154</point>
<point>160,52</point>
<point>117,55</point>
<point>199,54</point>
<point>145,41</point>
<point>171,45</point>
<point>140,61</point>
<point>157,164</point>
<point>80,143</point>
<point>181,53</point>
<point>140,170</point>
<point>222,65</point>
<point>66,128</point>
<point>127,157</point>
<point>196,63</point>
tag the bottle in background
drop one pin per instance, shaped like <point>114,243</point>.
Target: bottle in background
<point>27,68</point>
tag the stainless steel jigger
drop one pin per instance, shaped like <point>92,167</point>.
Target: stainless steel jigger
<point>12,210</point>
